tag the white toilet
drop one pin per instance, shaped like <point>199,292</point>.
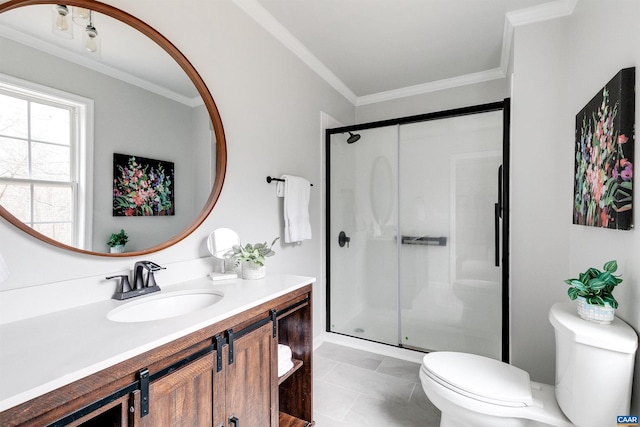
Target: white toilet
<point>594,374</point>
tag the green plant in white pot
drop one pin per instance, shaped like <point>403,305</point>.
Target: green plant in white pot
<point>251,258</point>
<point>117,241</point>
<point>594,291</point>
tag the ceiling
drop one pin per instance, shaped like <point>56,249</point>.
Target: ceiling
<point>368,50</point>
<point>372,50</point>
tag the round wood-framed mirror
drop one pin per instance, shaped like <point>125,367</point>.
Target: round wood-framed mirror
<point>106,162</point>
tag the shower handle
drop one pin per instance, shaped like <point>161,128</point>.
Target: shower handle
<point>496,217</point>
<point>343,239</point>
<point>498,208</point>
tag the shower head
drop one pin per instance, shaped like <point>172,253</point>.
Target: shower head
<point>353,137</point>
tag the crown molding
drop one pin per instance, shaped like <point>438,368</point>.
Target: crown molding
<point>516,18</point>
<point>269,23</point>
<point>100,67</point>
<point>543,12</point>
<point>551,10</point>
<point>467,79</point>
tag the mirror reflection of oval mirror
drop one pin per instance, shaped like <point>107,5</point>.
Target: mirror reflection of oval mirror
<point>381,190</point>
<point>219,243</point>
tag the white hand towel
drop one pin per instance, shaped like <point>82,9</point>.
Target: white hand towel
<point>284,359</point>
<point>280,189</point>
<point>284,352</point>
<point>297,226</point>
<point>284,367</point>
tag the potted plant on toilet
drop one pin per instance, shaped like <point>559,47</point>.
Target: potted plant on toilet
<point>594,291</point>
<point>251,258</point>
<point>117,241</point>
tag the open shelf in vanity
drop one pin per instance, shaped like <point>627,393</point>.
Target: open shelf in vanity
<point>296,365</point>
<point>295,386</point>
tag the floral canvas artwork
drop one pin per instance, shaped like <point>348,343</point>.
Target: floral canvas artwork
<point>142,186</point>
<point>604,141</point>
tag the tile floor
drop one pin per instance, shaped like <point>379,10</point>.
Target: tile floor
<point>358,388</point>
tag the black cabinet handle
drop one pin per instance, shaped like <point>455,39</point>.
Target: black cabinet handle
<point>235,421</point>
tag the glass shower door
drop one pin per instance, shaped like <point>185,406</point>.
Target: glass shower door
<point>450,286</point>
<point>363,273</point>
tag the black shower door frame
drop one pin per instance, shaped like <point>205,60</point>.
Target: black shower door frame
<point>505,107</point>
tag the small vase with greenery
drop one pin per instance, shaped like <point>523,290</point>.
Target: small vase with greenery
<point>117,241</point>
<point>251,257</point>
<point>594,291</point>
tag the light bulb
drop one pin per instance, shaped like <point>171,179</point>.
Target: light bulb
<point>81,12</point>
<point>91,46</point>
<point>62,23</point>
<point>91,43</point>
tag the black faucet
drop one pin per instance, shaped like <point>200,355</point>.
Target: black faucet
<point>142,284</point>
<point>139,279</point>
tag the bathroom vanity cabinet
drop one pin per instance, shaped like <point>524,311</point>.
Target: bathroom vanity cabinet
<point>222,375</point>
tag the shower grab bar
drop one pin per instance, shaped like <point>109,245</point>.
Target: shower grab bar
<point>424,240</point>
<point>269,179</point>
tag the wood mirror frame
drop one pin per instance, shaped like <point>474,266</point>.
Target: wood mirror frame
<point>167,46</point>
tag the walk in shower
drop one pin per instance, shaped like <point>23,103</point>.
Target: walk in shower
<point>416,224</point>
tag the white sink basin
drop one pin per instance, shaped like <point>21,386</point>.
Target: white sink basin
<point>163,306</point>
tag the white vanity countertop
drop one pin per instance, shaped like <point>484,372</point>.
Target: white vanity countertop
<point>41,354</point>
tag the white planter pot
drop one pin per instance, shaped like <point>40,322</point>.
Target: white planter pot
<point>118,249</point>
<point>595,313</point>
<point>251,271</point>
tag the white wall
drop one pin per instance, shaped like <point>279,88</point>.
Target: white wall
<point>541,188</point>
<point>558,67</point>
<point>618,47</point>
<point>270,104</point>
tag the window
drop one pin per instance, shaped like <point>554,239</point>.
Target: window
<point>44,148</point>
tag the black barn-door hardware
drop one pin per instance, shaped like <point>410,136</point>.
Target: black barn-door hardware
<point>145,378</point>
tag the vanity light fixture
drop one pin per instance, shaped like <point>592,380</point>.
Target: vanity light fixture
<point>82,17</point>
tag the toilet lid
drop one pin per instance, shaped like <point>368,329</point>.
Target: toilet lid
<point>480,378</point>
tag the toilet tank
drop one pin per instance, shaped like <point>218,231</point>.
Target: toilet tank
<point>594,367</point>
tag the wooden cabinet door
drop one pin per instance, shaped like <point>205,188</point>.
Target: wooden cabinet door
<point>182,398</point>
<point>251,381</point>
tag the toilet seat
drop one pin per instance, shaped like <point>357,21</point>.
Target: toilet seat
<point>480,378</point>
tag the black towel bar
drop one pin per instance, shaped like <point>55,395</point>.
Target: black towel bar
<point>269,179</point>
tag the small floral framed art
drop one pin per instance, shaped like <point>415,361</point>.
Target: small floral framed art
<point>604,160</point>
<point>142,186</point>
